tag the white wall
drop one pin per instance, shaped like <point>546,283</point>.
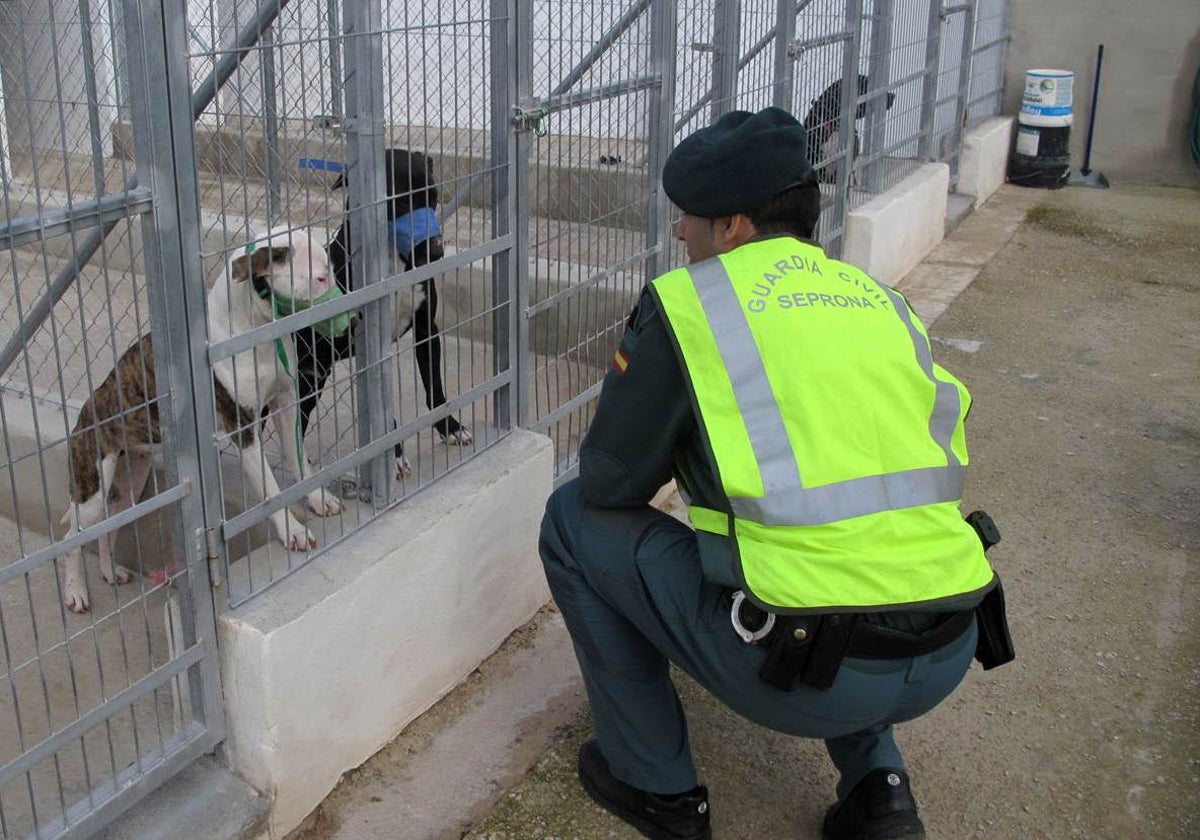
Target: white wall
<point>1151,52</point>
<point>43,74</point>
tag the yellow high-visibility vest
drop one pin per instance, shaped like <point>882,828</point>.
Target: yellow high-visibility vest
<point>837,440</point>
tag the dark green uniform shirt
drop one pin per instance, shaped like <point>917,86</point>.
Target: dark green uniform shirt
<point>645,432</point>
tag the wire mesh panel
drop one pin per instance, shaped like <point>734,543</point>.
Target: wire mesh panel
<point>364,129</point>
<point>594,218</point>
<point>956,40</point>
<point>987,64</point>
<point>107,674</point>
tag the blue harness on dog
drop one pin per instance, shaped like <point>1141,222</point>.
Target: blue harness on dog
<point>411,229</point>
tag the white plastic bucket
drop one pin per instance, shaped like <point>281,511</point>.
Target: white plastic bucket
<point>1046,101</point>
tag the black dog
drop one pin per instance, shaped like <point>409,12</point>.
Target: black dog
<point>415,236</point>
<point>823,122</point>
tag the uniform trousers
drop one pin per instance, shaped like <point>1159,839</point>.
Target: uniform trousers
<point>629,585</point>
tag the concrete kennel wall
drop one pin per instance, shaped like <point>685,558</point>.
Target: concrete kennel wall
<point>889,235</point>
<point>343,654</point>
<point>1151,52</point>
<point>984,158</point>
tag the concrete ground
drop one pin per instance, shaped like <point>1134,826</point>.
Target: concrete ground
<point>1074,328</point>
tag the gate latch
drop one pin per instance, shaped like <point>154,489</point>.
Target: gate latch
<point>531,119</point>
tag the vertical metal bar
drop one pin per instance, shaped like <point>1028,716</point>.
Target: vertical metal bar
<point>727,19</point>
<point>841,201</point>
<point>502,37</point>
<point>660,134</point>
<point>335,59</point>
<point>964,88</point>
<point>784,88</point>
<point>879,74</point>
<point>363,22</point>
<point>270,101</point>
<point>157,41</point>
<point>929,85</point>
<point>521,201</point>
<point>93,97</point>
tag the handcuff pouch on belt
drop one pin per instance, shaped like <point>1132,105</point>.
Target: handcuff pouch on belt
<point>808,648</point>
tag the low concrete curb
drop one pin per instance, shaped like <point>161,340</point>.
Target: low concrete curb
<point>890,234</point>
<point>204,802</point>
<point>350,649</point>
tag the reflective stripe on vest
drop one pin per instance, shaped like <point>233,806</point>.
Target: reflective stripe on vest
<point>786,501</point>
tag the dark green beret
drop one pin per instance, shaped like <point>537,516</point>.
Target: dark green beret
<point>737,164</point>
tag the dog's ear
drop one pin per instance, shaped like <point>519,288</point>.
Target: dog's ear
<point>257,261</point>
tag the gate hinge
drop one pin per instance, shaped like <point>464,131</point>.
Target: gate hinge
<point>531,119</point>
<point>206,542</point>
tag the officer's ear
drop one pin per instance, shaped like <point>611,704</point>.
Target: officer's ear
<point>731,231</point>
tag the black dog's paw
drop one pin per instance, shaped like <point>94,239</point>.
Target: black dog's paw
<point>453,433</point>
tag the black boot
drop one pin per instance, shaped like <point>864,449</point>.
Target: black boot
<point>683,817</point>
<point>881,807</point>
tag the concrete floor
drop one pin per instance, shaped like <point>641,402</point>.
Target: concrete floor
<point>1074,328</point>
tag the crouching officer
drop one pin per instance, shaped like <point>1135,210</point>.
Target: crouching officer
<point>829,589</point>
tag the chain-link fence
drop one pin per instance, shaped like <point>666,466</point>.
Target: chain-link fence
<point>882,86</point>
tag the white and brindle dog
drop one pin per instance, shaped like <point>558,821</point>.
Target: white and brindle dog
<point>117,429</point>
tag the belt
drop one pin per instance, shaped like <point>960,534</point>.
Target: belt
<point>874,641</point>
<point>866,641</point>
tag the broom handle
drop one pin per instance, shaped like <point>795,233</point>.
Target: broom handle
<point>1087,154</point>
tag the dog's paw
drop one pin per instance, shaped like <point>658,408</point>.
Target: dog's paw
<point>403,467</point>
<point>296,537</point>
<point>324,504</point>
<point>459,437</point>
<point>75,596</point>
<point>117,574</point>
<point>161,577</point>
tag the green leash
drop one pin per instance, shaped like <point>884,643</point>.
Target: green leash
<point>282,305</point>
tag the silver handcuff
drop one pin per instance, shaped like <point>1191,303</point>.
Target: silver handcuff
<point>748,636</point>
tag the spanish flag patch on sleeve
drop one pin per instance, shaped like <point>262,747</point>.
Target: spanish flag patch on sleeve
<point>621,360</point>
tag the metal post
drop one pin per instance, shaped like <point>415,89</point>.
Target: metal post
<point>502,36</point>
<point>176,290</point>
<point>660,135</point>
<point>964,87</point>
<point>93,97</point>
<point>879,74</point>
<point>270,100</point>
<point>785,74</point>
<point>363,25</point>
<point>727,17</point>
<point>512,404</point>
<point>335,60</point>
<point>929,85</point>
<point>841,201</point>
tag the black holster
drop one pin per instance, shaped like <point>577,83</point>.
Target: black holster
<point>995,646</point>
<point>807,648</point>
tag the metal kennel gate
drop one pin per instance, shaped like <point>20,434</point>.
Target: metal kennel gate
<point>99,708</point>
